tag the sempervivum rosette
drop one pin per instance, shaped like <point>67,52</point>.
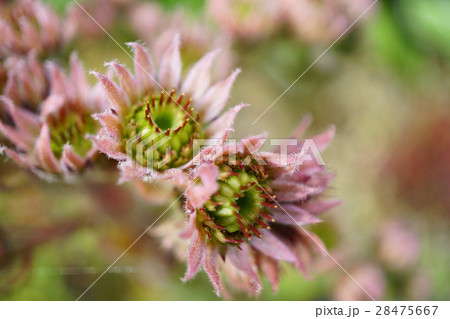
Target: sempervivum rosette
<point>21,88</point>
<point>27,25</point>
<point>155,114</point>
<point>48,115</point>
<point>246,210</point>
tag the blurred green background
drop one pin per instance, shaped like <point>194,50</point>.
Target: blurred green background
<point>385,85</point>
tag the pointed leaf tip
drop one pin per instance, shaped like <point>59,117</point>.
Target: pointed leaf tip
<point>196,255</point>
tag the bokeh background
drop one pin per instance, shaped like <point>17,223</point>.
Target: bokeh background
<point>384,84</point>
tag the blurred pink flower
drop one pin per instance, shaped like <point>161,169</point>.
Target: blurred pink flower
<point>48,116</point>
<point>146,120</point>
<point>398,246</point>
<point>27,25</point>
<point>79,23</point>
<point>246,19</point>
<point>147,19</point>
<point>369,276</point>
<point>322,20</point>
<point>237,210</point>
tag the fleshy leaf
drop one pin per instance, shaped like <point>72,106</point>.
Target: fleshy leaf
<point>219,126</point>
<point>291,191</point>
<point>43,151</point>
<point>271,269</point>
<point>210,266</point>
<point>127,81</point>
<point>215,98</point>
<point>143,67</point>
<point>292,214</point>
<point>170,67</point>
<point>111,123</point>
<point>114,93</point>
<point>199,77</point>
<point>272,246</point>
<point>240,258</point>
<point>196,255</point>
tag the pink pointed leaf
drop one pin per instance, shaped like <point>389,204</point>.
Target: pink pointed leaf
<point>127,81</point>
<point>272,246</point>
<point>30,87</point>
<point>220,125</point>
<point>21,159</point>
<point>252,144</point>
<point>58,81</point>
<point>214,100</point>
<point>78,77</point>
<point>212,152</point>
<point>323,140</point>
<point>241,259</point>
<point>170,67</point>
<point>11,90</point>
<point>302,126</point>
<point>292,191</point>
<point>114,93</point>
<point>291,214</point>
<point>51,105</point>
<point>199,77</point>
<point>191,225</point>
<point>44,153</point>
<point>143,67</point>
<point>16,137</point>
<point>271,270</point>
<point>112,148</point>
<point>72,160</point>
<point>26,122</point>
<point>29,33</point>
<point>196,255</point>
<point>298,132</point>
<point>210,266</point>
<point>111,123</point>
